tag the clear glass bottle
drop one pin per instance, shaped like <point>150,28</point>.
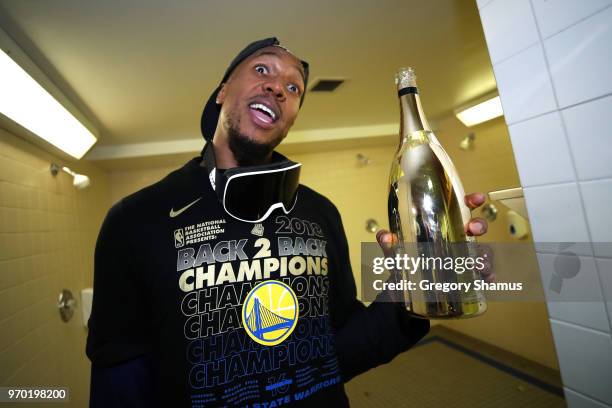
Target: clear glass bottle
<point>427,212</point>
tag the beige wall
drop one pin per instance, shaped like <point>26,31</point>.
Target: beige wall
<point>126,182</point>
<point>360,192</point>
<point>47,237</point>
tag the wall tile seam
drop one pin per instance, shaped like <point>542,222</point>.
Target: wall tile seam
<point>590,330</point>
<point>575,22</point>
<point>595,257</point>
<point>17,285</point>
<point>35,157</point>
<point>34,263</point>
<point>586,101</point>
<point>514,54</point>
<point>573,161</point>
<point>23,337</point>
<point>17,167</point>
<point>516,122</point>
<point>540,252</point>
<point>42,188</point>
<point>45,292</point>
<point>591,255</point>
<point>586,396</point>
<point>53,210</point>
<point>30,167</point>
<point>15,313</point>
<point>37,231</point>
<point>576,181</point>
<point>559,184</point>
<point>46,253</point>
<point>20,258</point>
<point>50,230</point>
<point>596,180</point>
<point>548,184</point>
<point>592,325</point>
<point>22,366</point>
<point>59,196</point>
<point>484,5</point>
<point>560,110</point>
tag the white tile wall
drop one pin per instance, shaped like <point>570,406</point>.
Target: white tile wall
<point>585,357</point>
<point>580,300</point>
<point>589,131</point>
<point>524,85</point>
<point>482,3</point>
<point>577,400</point>
<point>580,59</point>
<point>555,213</point>
<point>598,203</point>
<point>555,15</point>
<point>605,275</point>
<point>577,37</point>
<point>534,136</point>
<point>506,29</point>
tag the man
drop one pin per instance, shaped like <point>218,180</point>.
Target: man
<point>226,283</point>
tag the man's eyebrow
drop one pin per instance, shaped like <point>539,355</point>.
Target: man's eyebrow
<point>298,67</point>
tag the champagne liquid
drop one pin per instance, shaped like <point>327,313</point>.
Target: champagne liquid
<point>426,207</point>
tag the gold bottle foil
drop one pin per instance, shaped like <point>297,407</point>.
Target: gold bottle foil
<point>428,214</point>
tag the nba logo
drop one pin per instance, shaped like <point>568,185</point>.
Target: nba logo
<point>179,238</point>
<point>258,230</point>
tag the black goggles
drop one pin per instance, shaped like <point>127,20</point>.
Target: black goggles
<point>251,193</point>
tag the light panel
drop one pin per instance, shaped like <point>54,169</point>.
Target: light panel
<point>27,103</point>
<point>482,112</point>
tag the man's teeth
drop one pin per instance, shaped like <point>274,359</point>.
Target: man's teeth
<point>263,108</point>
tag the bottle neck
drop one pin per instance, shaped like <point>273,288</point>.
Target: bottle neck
<point>412,118</point>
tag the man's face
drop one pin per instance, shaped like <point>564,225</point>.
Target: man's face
<point>261,100</point>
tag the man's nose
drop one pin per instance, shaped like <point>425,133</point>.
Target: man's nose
<point>275,88</point>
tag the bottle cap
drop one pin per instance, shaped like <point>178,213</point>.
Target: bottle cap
<point>405,78</point>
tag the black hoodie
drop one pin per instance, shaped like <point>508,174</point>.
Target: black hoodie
<point>193,308</point>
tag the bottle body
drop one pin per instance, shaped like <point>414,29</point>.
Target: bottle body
<point>428,214</point>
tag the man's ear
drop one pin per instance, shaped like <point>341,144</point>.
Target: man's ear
<point>221,95</point>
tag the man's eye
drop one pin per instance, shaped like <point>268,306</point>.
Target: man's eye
<point>261,69</point>
<point>293,88</point>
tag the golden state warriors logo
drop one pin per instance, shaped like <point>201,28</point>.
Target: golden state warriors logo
<point>270,312</point>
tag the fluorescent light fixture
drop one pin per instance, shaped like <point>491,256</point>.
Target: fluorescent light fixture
<point>481,112</point>
<point>26,102</point>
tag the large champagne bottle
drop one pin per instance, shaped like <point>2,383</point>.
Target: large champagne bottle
<point>428,214</point>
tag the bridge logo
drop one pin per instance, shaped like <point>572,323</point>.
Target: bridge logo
<point>270,312</point>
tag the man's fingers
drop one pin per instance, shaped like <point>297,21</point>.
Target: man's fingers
<point>486,253</point>
<point>487,272</point>
<point>477,227</point>
<point>475,200</point>
<point>387,241</point>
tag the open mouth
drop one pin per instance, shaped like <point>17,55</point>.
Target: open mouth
<point>263,112</point>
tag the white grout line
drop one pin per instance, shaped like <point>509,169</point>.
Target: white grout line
<point>579,326</point>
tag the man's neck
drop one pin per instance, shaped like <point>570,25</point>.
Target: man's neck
<point>224,156</point>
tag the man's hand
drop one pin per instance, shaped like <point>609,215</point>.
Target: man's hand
<point>475,227</point>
